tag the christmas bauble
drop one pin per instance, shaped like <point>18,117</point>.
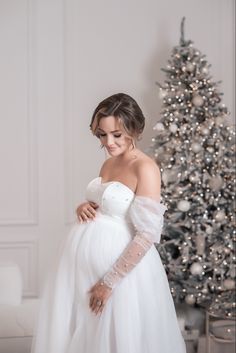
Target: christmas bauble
<point>159,127</point>
<point>229,284</point>
<point>190,299</point>
<point>196,268</point>
<point>197,100</point>
<point>219,216</point>
<point>216,183</point>
<point>196,147</point>
<point>183,205</point>
<point>189,67</point>
<point>204,130</point>
<point>173,128</point>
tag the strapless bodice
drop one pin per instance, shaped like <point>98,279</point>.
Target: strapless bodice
<point>114,198</point>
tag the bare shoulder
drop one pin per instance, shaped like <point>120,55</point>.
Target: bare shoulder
<point>106,165</point>
<point>148,177</point>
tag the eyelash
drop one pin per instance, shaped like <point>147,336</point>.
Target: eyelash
<point>116,136</point>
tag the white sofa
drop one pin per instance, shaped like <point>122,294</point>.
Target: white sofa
<point>17,315</point>
<point>17,324</point>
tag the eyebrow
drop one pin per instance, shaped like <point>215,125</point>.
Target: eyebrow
<point>111,131</point>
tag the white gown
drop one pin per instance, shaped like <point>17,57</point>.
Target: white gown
<point>139,317</point>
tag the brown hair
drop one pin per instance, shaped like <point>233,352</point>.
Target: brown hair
<point>123,107</point>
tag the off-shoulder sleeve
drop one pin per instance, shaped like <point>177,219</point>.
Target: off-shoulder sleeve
<point>146,215</point>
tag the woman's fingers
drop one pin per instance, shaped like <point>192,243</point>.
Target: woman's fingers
<point>91,212</point>
<point>94,204</point>
<point>86,211</point>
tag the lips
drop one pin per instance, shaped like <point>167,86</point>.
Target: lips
<point>112,149</point>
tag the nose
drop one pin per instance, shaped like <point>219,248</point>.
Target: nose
<point>110,140</point>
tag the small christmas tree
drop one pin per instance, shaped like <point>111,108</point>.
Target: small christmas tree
<point>194,148</point>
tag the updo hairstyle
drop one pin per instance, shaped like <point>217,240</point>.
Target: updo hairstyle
<point>123,107</point>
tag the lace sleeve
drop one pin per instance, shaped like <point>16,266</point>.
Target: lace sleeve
<point>146,215</point>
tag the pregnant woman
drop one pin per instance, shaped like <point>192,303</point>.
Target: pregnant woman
<point>109,292</point>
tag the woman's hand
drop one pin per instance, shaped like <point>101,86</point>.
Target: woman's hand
<point>86,211</point>
<point>99,294</point>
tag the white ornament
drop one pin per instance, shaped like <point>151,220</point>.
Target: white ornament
<point>173,128</point>
<point>220,216</point>
<point>204,130</point>
<point>183,205</point>
<point>190,299</point>
<point>196,147</point>
<point>189,67</point>
<point>196,269</point>
<point>159,127</point>
<point>197,100</point>
<point>229,284</point>
<point>216,183</point>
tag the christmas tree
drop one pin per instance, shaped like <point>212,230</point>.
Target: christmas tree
<point>195,148</point>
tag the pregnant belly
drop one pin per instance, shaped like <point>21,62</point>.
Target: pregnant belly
<point>101,243</point>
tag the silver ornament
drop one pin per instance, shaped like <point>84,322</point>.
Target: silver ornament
<point>204,130</point>
<point>183,205</point>
<point>219,216</point>
<point>216,183</point>
<point>189,67</point>
<point>173,128</point>
<point>196,268</point>
<point>197,100</point>
<point>159,127</point>
<point>196,147</point>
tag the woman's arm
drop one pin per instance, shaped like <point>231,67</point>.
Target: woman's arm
<point>146,214</point>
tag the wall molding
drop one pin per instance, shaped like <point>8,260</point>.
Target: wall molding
<point>32,218</point>
<point>25,255</point>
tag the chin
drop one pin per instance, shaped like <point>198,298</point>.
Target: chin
<point>114,152</point>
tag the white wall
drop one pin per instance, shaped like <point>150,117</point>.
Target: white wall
<point>58,60</point>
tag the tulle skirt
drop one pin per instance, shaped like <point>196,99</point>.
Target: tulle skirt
<point>139,317</point>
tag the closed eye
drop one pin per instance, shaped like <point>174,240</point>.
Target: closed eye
<point>115,135</point>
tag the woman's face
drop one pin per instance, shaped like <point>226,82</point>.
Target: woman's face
<point>113,136</point>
